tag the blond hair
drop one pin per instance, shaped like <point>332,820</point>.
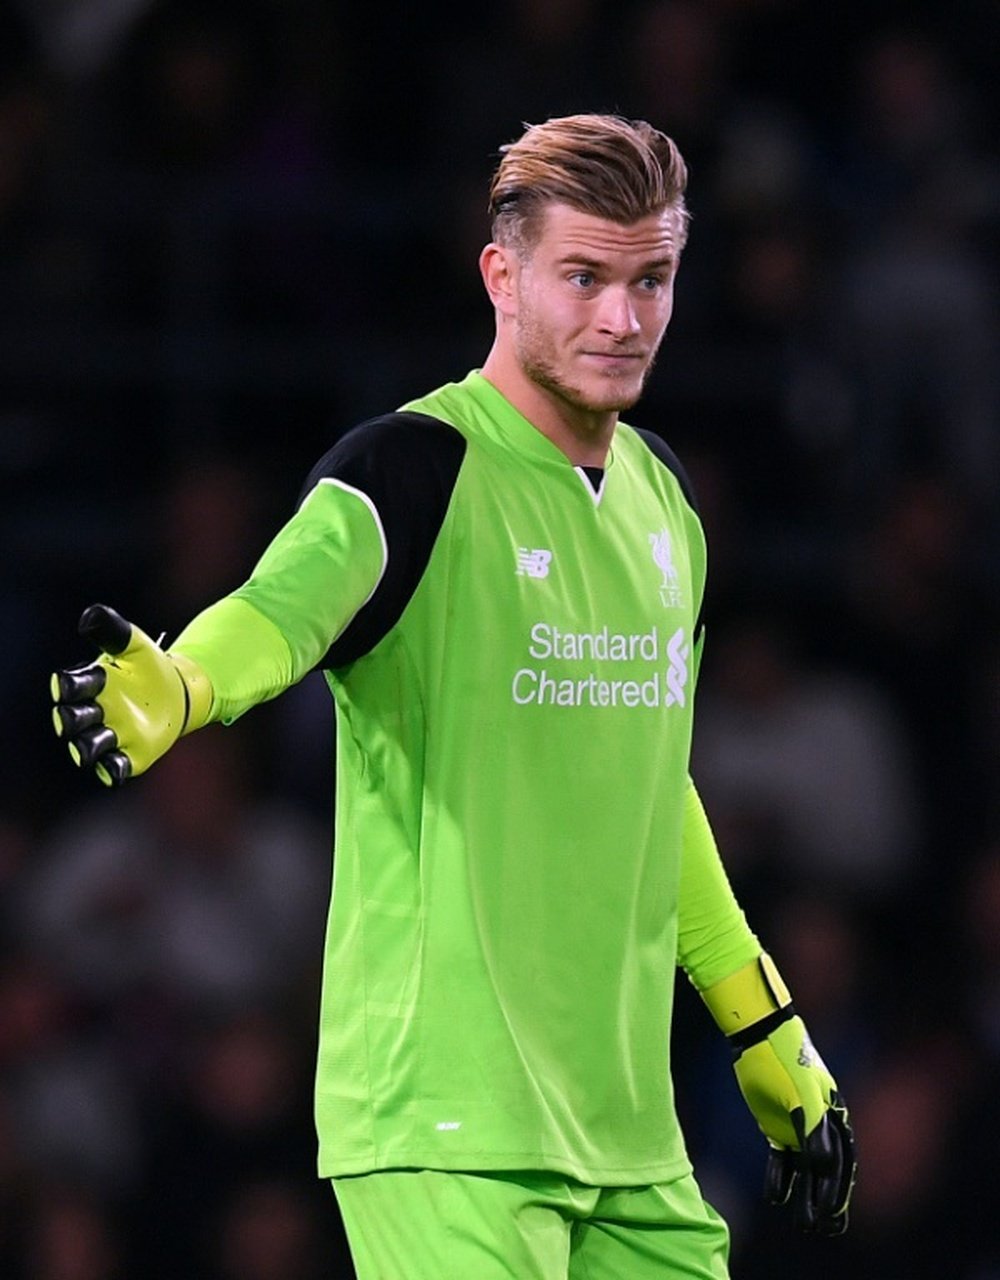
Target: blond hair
<point>604,165</point>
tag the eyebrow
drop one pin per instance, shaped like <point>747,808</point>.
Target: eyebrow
<point>581,260</point>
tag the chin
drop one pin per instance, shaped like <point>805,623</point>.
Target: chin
<point>617,393</point>
<point>614,400</point>
<point>589,395</point>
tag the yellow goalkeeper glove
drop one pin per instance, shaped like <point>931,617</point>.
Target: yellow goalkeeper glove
<point>124,710</point>
<point>791,1094</point>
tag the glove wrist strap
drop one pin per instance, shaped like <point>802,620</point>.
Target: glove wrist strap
<point>197,692</point>
<point>738,1003</point>
<point>739,1041</point>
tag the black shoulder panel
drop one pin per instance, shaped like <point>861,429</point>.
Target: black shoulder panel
<point>407,465</point>
<point>670,460</point>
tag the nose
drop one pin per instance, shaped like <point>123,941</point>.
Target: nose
<point>618,314</point>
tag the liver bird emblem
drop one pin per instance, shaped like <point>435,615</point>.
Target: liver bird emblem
<point>663,556</point>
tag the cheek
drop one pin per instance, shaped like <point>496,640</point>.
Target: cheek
<point>545,319</point>
<point>660,314</point>
<point>567,318</point>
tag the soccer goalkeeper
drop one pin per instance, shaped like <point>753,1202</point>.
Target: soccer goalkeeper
<point>503,582</point>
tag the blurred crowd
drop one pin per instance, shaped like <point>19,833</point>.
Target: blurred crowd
<point>230,230</point>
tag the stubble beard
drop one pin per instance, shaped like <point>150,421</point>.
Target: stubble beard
<point>537,359</point>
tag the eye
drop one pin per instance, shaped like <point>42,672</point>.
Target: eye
<point>583,279</point>
<point>650,283</point>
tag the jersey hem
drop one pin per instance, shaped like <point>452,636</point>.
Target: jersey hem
<point>508,1162</point>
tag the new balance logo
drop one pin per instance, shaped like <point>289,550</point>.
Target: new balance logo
<point>533,563</point>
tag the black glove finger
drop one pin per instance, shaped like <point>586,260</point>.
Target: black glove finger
<point>790,1173</point>
<point>805,1214</point>
<point>92,744</point>
<point>70,720</point>
<point>114,768</point>
<point>828,1170</point>
<point>820,1174</point>
<point>779,1175</point>
<point>843,1186</point>
<point>826,1176</point>
<point>78,684</point>
<point>105,628</point>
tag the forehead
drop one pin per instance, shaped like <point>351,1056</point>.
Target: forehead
<point>566,233</point>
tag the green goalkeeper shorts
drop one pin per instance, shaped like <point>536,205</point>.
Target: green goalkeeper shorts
<point>429,1225</point>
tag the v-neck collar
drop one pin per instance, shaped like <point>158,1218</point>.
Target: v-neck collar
<point>510,427</point>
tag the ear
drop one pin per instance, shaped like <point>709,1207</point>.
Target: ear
<point>498,267</point>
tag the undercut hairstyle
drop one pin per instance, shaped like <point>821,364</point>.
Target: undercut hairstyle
<point>604,165</point>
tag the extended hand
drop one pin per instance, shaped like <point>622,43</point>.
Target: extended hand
<point>121,712</point>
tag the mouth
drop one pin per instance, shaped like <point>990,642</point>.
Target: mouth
<point>615,363</point>
<point>615,357</point>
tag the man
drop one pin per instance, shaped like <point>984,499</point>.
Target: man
<point>503,584</point>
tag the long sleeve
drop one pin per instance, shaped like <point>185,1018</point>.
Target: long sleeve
<point>714,938</point>
<point>315,575</point>
<point>339,574</point>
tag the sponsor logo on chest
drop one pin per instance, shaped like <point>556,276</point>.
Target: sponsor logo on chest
<point>605,667</point>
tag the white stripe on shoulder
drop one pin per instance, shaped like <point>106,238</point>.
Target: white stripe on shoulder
<point>359,493</point>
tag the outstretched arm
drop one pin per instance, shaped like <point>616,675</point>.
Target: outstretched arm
<point>122,711</point>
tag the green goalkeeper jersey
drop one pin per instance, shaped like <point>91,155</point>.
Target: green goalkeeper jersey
<point>512,646</point>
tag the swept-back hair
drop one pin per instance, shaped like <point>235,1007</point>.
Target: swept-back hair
<point>605,165</point>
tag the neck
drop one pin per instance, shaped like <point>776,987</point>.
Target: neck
<point>584,436</point>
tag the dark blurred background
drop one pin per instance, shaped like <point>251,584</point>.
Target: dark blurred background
<point>228,231</point>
